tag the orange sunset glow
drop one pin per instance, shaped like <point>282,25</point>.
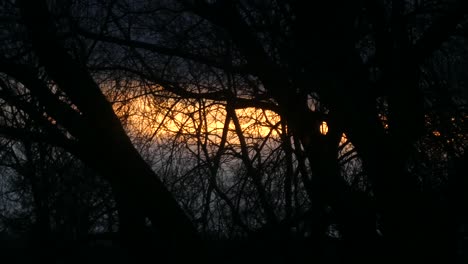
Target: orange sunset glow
<point>173,117</point>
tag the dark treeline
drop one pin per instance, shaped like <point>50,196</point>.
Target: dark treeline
<point>230,131</point>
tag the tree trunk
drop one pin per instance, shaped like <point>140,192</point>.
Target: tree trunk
<point>106,147</point>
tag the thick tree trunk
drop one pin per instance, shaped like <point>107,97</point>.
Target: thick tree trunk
<point>106,147</point>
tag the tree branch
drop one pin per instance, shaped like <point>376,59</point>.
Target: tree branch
<point>240,69</point>
<point>440,31</point>
<point>55,139</point>
<point>58,110</point>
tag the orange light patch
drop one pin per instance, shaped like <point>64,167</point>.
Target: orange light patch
<point>189,118</point>
<point>324,128</point>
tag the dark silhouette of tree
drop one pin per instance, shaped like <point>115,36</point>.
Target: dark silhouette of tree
<point>86,122</point>
<point>387,77</point>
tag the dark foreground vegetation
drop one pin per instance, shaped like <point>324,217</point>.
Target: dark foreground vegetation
<point>233,131</point>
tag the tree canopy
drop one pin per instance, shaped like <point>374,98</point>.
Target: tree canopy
<point>335,125</point>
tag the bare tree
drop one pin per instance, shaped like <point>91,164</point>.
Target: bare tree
<point>376,72</point>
